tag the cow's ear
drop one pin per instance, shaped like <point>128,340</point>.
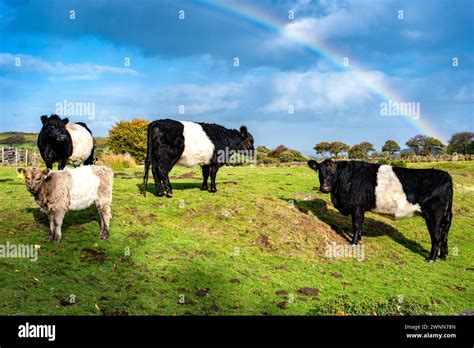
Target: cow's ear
<point>20,171</point>
<point>243,130</point>
<point>44,118</point>
<point>46,173</point>
<point>65,121</point>
<point>313,164</point>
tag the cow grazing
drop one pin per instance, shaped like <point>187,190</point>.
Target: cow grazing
<point>61,141</point>
<point>57,192</point>
<point>357,187</point>
<point>189,144</point>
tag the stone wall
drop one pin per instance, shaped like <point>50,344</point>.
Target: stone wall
<point>18,156</point>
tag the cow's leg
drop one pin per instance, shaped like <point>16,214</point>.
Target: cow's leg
<point>205,176</point>
<point>166,182</point>
<point>357,221</point>
<point>445,225</point>
<point>62,164</point>
<point>157,178</point>
<point>58,222</point>
<point>104,212</point>
<point>90,160</point>
<point>214,169</point>
<point>443,253</point>
<point>51,226</point>
<point>49,164</point>
<point>433,222</point>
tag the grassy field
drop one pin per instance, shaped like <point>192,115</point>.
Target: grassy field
<point>257,247</point>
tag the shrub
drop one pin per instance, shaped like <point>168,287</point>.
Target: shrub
<point>267,160</point>
<point>263,150</point>
<point>399,163</point>
<point>292,156</point>
<point>129,137</point>
<point>278,151</point>
<point>117,162</point>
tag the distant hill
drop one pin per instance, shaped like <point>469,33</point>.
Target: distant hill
<point>28,140</point>
<point>19,139</point>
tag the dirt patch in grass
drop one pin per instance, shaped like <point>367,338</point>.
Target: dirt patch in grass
<point>94,255</point>
<point>188,175</point>
<point>264,243</point>
<point>288,230</point>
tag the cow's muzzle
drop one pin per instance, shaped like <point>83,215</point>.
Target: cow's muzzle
<point>325,189</point>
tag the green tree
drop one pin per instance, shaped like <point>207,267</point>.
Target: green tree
<point>338,147</point>
<point>368,147</point>
<point>129,137</point>
<point>358,151</point>
<point>425,145</point>
<point>462,142</point>
<point>322,148</point>
<point>391,146</point>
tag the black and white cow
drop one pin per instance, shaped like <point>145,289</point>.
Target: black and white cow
<point>189,144</point>
<point>61,141</point>
<point>357,187</point>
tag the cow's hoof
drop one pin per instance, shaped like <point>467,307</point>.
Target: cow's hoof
<point>49,238</point>
<point>169,195</point>
<point>160,194</point>
<point>430,260</point>
<point>203,188</point>
<point>353,244</point>
<point>213,190</point>
<point>104,234</point>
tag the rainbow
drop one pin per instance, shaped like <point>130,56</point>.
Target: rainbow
<point>267,21</point>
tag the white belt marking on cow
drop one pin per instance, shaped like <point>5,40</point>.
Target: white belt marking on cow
<point>82,143</point>
<point>390,197</point>
<point>198,148</point>
<point>84,190</point>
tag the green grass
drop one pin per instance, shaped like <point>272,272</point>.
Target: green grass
<point>229,253</point>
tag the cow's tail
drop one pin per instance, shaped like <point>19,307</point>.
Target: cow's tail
<point>149,148</point>
<point>447,218</point>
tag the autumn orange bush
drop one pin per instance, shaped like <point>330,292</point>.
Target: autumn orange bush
<point>129,137</point>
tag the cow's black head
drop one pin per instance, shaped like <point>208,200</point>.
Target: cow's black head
<point>327,172</point>
<point>246,139</point>
<point>54,127</point>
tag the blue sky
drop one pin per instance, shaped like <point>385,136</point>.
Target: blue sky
<point>285,63</point>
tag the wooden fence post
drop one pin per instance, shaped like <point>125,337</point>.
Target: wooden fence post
<point>26,157</point>
<point>3,156</point>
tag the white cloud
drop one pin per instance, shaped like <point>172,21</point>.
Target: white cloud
<point>412,34</point>
<point>320,93</point>
<point>85,71</point>
<point>335,20</point>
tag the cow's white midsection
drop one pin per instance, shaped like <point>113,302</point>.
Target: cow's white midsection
<point>82,143</point>
<point>84,190</point>
<point>198,148</point>
<point>390,197</point>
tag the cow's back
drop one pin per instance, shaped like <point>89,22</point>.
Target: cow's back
<point>84,187</point>
<point>82,143</point>
<point>198,148</point>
